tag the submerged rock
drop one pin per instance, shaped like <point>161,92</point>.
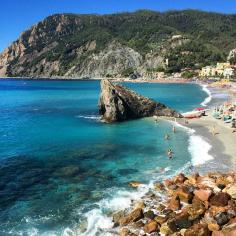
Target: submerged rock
<point>118,103</point>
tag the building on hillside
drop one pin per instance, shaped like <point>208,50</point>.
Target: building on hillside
<point>207,71</point>
<point>228,72</point>
<point>221,69</point>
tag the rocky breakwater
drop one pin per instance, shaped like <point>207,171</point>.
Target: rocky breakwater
<point>118,103</point>
<point>184,206</point>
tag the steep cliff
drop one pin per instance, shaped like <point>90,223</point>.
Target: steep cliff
<point>119,44</point>
<point>118,103</point>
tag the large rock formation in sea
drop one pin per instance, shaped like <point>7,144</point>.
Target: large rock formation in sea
<point>119,45</point>
<point>118,103</point>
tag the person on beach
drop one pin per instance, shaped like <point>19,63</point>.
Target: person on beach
<point>214,130</point>
<point>170,153</point>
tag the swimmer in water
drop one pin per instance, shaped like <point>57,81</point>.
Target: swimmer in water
<point>170,153</point>
<point>174,129</point>
<point>167,137</point>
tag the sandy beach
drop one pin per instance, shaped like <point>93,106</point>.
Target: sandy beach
<point>223,143</point>
<point>223,148</point>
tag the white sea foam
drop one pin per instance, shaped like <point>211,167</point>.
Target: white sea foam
<point>199,149</point>
<point>89,117</point>
<point>208,99</point>
<point>97,224</point>
<point>122,198</point>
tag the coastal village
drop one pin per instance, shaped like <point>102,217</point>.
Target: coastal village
<point>222,70</point>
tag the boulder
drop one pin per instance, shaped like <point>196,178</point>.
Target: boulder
<point>117,216</point>
<point>213,227</point>
<point>138,224</point>
<point>160,207</point>
<point>165,229</point>
<point>213,210</point>
<point>151,227</point>
<point>168,182</point>
<point>139,204</point>
<point>126,232</point>
<point>133,216</point>
<point>185,194</point>
<point>207,182</point>
<point>149,214</point>
<point>174,203</point>
<point>203,194</point>
<point>161,219</point>
<point>118,103</point>
<point>192,179</point>
<point>221,218</point>
<point>229,229</point>
<point>134,184</point>
<point>159,186</point>
<point>222,180</point>
<point>217,233</point>
<point>198,230</point>
<point>180,178</point>
<point>220,199</point>
<point>195,210</point>
<point>180,221</point>
<point>231,190</point>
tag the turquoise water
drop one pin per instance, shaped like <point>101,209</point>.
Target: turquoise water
<point>58,161</point>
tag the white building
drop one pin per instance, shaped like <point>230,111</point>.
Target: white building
<point>228,72</point>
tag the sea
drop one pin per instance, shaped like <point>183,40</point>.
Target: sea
<point>63,171</point>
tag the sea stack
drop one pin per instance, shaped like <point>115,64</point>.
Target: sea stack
<point>118,103</point>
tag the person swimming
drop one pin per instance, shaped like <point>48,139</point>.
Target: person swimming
<point>167,137</point>
<point>170,153</point>
<point>173,129</point>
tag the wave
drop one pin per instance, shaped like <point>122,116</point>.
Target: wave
<point>209,98</point>
<point>90,117</point>
<point>199,155</point>
<point>98,223</point>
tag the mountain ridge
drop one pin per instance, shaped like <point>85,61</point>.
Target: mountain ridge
<point>112,45</point>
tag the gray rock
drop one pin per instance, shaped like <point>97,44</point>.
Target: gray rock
<point>118,103</point>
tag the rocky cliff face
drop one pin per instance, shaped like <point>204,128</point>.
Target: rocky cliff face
<point>118,103</point>
<point>109,62</point>
<point>118,45</point>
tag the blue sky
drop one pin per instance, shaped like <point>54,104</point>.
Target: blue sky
<point>18,15</point>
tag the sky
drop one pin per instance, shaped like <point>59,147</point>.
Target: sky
<point>18,15</point>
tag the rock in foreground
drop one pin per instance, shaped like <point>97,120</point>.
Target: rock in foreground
<point>118,103</point>
<point>209,211</point>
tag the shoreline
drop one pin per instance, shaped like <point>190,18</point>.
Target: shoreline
<point>169,79</point>
<point>222,144</point>
<point>217,150</point>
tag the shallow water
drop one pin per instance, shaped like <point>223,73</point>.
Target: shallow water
<point>59,163</point>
